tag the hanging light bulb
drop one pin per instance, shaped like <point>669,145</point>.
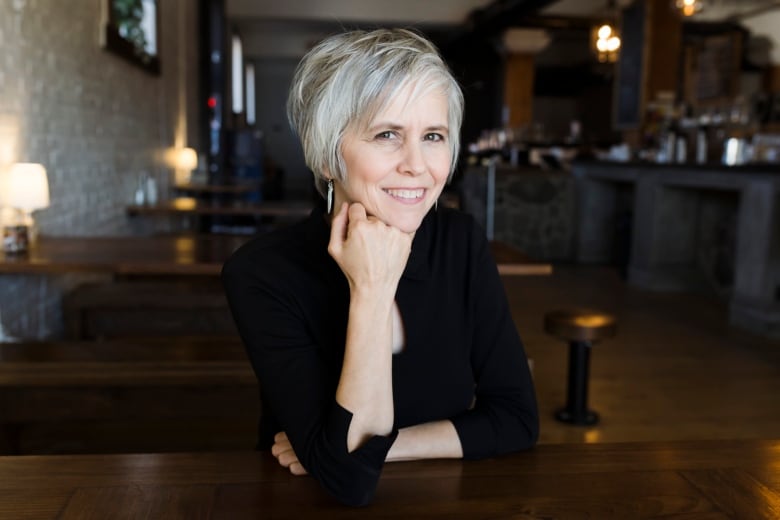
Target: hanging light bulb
<point>607,43</point>
<point>689,7</point>
<point>606,40</point>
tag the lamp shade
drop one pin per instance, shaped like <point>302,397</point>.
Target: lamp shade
<point>26,187</point>
<point>186,159</point>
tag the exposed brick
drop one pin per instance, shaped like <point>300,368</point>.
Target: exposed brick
<point>94,121</point>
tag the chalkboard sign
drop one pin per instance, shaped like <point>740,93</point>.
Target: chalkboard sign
<point>628,91</point>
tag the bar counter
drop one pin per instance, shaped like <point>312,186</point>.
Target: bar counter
<point>694,479</point>
<point>677,214</point>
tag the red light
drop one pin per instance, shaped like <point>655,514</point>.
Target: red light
<point>212,102</point>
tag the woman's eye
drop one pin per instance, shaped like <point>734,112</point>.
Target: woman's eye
<point>433,136</point>
<point>385,135</point>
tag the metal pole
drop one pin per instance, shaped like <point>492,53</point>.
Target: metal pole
<point>491,197</point>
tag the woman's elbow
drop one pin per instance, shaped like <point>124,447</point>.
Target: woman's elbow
<point>353,489</point>
<point>522,435</point>
<point>357,499</point>
<point>532,426</point>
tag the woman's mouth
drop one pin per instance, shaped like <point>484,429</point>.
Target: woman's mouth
<point>406,196</point>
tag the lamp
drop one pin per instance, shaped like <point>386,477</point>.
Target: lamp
<point>186,159</point>
<point>606,38</point>
<point>183,161</point>
<point>26,189</point>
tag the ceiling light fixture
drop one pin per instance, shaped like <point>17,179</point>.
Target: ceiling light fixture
<point>689,7</point>
<point>605,36</point>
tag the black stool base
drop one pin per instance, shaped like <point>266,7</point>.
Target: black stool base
<point>588,418</point>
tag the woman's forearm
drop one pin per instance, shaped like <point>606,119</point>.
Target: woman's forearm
<point>366,385</point>
<point>433,440</point>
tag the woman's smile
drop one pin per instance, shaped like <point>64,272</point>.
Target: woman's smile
<point>405,195</point>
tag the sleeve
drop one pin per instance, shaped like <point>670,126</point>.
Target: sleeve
<point>505,417</point>
<point>298,385</point>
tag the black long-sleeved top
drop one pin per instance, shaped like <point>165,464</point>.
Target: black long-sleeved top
<point>462,359</point>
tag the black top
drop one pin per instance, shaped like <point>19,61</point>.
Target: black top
<point>462,358</point>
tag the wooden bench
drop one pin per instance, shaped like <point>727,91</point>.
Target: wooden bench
<point>132,308</point>
<point>153,395</point>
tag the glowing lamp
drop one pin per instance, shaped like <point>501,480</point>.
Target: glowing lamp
<point>25,188</point>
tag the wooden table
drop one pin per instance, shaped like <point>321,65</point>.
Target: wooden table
<point>713,480</point>
<point>132,255</point>
<point>191,206</point>
<point>189,254</point>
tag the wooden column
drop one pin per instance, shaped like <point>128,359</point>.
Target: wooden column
<point>522,45</point>
<point>649,62</point>
<point>773,79</point>
<point>662,48</point>
<point>519,89</point>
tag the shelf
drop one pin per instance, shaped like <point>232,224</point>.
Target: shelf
<point>190,206</point>
<point>213,188</point>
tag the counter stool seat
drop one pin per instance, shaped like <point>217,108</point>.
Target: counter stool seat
<point>581,328</point>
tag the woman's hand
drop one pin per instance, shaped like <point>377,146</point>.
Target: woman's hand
<point>370,253</point>
<point>284,453</point>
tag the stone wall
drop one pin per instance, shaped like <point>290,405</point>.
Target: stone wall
<point>95,121</point>
<point>534,209</point>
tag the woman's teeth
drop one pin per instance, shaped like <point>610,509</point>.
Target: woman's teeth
<point>406,194</point>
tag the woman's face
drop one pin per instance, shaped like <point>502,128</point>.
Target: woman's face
<point>398,165</point>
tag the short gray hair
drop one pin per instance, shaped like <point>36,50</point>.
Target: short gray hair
<point>348,78</point>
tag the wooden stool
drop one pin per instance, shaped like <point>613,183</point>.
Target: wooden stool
<point>581,328</point>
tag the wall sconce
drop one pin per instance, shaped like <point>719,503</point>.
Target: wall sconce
<point>25,188</point>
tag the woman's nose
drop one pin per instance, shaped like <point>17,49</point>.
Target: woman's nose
<point>413,161</point>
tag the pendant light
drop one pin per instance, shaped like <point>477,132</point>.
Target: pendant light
<point>689,7</point>
<point>605,36</point>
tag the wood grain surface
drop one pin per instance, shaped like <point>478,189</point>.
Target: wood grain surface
<point>714,479</point>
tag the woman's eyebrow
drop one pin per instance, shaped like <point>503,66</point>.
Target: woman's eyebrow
<point>438,128</point>
<point>387,125</point>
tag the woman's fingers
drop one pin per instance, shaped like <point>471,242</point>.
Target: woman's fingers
<point>364,246</point>
<point>285,455</point>
<point>297,469</point>
<point>357,212</point>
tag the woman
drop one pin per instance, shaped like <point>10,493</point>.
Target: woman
<point>378,328</point>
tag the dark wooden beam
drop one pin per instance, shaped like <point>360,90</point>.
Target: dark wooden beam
<point>490,21</point>
<point>502,14</point>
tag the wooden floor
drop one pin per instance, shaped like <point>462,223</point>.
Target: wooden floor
<point>675,370</point>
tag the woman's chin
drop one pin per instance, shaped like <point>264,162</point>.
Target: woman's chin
<point>407,223</point>
<point>407,218</point>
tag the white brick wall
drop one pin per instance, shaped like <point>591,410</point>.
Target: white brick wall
<point>95,121</point>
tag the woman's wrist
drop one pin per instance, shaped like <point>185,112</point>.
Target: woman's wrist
<point>433,440</point>
<point>373,293</point>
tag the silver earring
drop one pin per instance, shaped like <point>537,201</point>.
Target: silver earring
<point>330,196</point>
<point>436,205</point>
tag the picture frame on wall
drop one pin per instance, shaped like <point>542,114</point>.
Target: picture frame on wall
<point>131,30</point>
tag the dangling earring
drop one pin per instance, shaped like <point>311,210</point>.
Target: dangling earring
<point>330,196</point>
<point>436,206</point>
